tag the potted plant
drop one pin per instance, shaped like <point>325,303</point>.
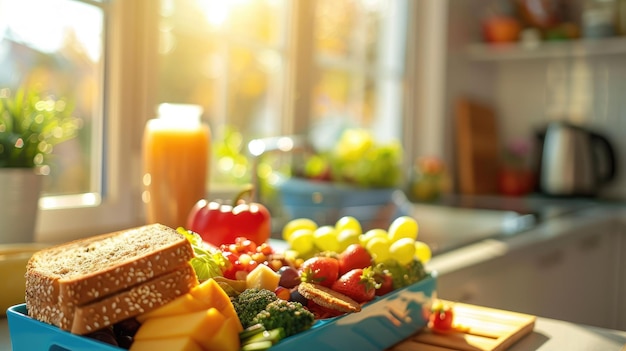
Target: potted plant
<point>32,123</point>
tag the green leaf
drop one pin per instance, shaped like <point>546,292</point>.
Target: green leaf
<point>207,264</point>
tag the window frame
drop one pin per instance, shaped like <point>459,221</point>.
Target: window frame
<point>130,43</point>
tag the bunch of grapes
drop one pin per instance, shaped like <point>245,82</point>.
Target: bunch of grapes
<point>398,242</point>
<point>358,160</point>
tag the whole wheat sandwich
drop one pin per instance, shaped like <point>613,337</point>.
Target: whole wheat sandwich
<point>91,283</point>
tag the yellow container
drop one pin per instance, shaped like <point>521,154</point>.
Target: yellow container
<point>13,259</point>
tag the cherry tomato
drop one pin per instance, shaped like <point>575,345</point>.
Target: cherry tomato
<point>283,293</point>
<point>442,317</point>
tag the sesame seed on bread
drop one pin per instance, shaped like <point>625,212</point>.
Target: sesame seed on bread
<point>139,299</point>
<point>61,279</point>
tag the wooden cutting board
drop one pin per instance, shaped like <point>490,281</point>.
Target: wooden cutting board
<point>488,329</point>
<point>477,147</point>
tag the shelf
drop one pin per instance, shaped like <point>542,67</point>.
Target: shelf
<point>545,50</point>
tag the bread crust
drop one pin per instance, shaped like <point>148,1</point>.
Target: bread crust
<point>139,299</point>
<point>64,278</point>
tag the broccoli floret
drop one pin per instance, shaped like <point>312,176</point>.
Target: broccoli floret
<point>403,275</point>
<point>289,315</point>
<point>250,302</point>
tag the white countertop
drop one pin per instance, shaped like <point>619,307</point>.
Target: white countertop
<point>554,335</point>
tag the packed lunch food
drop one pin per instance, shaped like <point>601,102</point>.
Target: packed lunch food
<point>153,286</point>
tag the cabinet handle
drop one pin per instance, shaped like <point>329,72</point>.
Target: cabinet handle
<point>589,243</point>
<point>550,260</point>
<point>466,297</point>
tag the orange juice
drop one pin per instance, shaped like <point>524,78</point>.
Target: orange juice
<point>176,151</point>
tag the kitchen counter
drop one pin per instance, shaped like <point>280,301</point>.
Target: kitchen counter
<point>466,230</point>
<point>469,234</point>
<point>552,269</point>
<point>454,222</point>
<point>548,335</point>
<point>555,335</point>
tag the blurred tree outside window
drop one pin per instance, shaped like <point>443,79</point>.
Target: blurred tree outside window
<point>233,58</point>
<point>57,46</point>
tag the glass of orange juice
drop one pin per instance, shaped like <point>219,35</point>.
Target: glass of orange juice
<point>176,151</point>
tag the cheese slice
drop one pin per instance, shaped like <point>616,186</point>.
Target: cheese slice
<point>210,294</point>
<point>226,338</point>
<point>210,329</point>
<point>200,326</point>
<point>181,305</point>
<point>175,344</point>
<point>206,295</point>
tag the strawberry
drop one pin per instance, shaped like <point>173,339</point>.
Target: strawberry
<point>359,284</point>
<point>354,256</point>
<point>386,283</point>
<point>320,270</point>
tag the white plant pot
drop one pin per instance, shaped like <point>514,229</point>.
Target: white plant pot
<point>19,204</point>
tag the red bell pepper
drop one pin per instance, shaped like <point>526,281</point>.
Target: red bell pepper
<point>219,224</point>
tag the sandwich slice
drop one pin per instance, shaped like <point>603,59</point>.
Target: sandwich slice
<point>92,283</point>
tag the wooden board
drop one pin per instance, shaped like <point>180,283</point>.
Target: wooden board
<point>489,329</point>
<point>477,147</point>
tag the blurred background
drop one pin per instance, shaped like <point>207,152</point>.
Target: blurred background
<point>399,69</point>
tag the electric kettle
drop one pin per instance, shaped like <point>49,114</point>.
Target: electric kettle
<point>574,161</point>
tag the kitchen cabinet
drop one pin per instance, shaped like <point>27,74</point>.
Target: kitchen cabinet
<point>528,85</point>
<point>574,277</point>
<point>621,276</point>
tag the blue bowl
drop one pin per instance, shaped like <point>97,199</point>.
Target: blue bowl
<point>326,202</point>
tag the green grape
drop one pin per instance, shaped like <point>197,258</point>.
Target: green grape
<point>325,238</point>
<point>378,247</point>
<point>402,250</point>
<point>301,240</point>
<point>403,227</point>
<point>346,238</point>
<point>315,166</point>
<point>298,223</point>
<point>370,234</point>
<point>349,222</point>
<point>353,144</point>
<point>422,251</point>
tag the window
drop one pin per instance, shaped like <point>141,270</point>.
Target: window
<point>62,55</point>
<point>257,67</point>
<point>86,50</point>
<point>270,67</point>
<point>359,50</point>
